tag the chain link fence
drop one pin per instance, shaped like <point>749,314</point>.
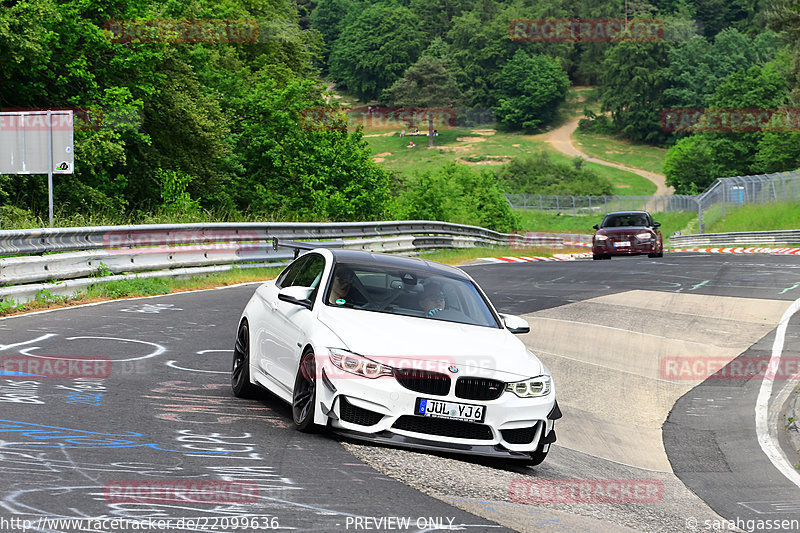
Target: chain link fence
<point>594,205</point>
<point>713,204</point>
<point>729,193</point>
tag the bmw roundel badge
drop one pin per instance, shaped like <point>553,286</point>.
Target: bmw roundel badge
<point>453,369</point>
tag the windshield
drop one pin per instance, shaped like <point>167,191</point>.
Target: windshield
<point>408,292</point>
<point>625,220</point>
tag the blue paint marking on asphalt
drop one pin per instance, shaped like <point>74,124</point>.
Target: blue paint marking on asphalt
<point>58,437</point>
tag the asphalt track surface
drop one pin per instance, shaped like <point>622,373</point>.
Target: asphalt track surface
<point>163,413</point>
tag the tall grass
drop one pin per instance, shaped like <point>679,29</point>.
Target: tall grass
<point>758,217</point>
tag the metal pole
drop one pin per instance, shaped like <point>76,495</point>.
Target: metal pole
<point>724,196</point>
<point>699,217</point>
<point>50,165</point>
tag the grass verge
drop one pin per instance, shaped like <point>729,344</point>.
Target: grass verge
<point>755,217</point>
<point>619,150</point>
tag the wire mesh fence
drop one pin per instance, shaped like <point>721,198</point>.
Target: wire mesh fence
<point>714,203</point>
<point>726,194</point>
<point>593,205</point>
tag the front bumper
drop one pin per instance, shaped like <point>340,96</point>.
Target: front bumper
<point>636,248</point>
<point>382,411</point>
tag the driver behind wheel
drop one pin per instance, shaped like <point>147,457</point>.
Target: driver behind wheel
<point>432,299</point>
<point>343,291</point>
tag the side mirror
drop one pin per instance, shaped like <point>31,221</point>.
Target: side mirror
<point>656,224</point>
<point>297,296</point>
<point>515,324</point>
<point>596,226</point>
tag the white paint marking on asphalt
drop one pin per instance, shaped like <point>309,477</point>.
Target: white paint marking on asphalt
<point>766,429</point>
<point>23,343</point>
<point>174,364</point>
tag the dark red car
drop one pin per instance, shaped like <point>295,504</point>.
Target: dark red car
<point>627,233</point>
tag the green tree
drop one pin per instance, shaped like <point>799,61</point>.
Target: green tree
<point>777,152</point>
<point>689,165</point>
<point>328,17</point>
<point>529,91</point>
<point>375,47</point>
<point>632,89</point>
<point>693,163</point>
<point>428,84</point>
<point>456,193</point>
<point>294,168</point>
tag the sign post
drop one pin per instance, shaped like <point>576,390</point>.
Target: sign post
<point>37,142</point>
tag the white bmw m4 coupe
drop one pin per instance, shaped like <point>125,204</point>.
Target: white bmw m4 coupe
<point>395,350</point>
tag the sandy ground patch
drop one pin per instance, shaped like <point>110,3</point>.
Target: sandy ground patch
<point>454,148</point>
<point>487,132</point>
<point>378,159</point>
<point>383,154</point>
<point>387,134</point>
<point>470,139</point>
<point>515,145</point>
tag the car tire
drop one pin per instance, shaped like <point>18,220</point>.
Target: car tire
<point>597,257</point>
<point>240,368</point>
<point>304,394</point>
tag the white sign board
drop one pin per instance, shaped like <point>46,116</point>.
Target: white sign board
<point>36,142</point>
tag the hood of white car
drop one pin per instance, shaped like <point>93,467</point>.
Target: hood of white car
<point>432,344</point>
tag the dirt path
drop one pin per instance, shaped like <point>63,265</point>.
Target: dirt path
<point>561,139</point>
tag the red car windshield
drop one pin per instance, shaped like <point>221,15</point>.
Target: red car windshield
<point>625,220</point>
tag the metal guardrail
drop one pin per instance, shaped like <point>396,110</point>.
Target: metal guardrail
<point>753,238</point>
<point>61,261</point>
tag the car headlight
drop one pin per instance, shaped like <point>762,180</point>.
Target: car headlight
<point>601,237</point>
<point>357,364</point>
<point>531,388</point>
<point>644,236</point>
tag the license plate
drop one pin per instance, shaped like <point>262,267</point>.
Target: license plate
<point>450,410</point>
<point>621,244</point>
